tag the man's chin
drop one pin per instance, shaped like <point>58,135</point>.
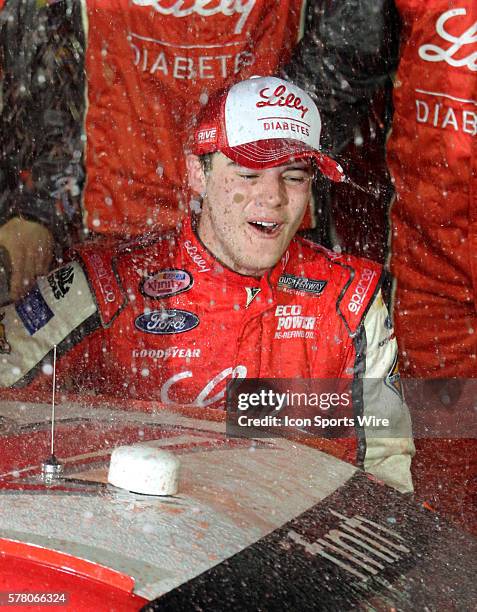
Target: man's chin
<point>250,268</point>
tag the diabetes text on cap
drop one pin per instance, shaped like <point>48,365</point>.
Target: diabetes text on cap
<point>264,122</point>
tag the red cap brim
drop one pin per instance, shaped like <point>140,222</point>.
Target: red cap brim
<point>275,152</point>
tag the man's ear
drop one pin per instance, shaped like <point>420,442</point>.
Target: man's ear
<point>195,174</point>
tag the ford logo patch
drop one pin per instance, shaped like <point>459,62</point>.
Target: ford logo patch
<point>167,321</point>
<point>166,283</point>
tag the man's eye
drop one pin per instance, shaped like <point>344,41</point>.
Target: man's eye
<point>248,176</point>
<point>297,178</point>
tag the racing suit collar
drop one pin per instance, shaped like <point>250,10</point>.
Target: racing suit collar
<point>207,263</point>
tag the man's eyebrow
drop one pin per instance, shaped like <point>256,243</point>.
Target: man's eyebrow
<point>298,167</point>
<point>232,163</point>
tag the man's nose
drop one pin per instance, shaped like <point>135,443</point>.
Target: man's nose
<point>272,191</point>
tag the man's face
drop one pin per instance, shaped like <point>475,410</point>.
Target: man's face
<point>250,216</point>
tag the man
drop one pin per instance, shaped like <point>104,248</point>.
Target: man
<point>108,91</point>
<point>234,293</point>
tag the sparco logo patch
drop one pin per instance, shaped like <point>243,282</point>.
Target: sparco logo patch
<point>300,283</point>
<point>168,321</point>
<point>105,278</point>
<point>166,283</point>
<point>435,53</point>
<point>61,281</point>
<point>361,290</point>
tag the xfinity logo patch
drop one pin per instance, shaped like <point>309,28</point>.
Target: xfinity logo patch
<point>166,283</point>
<point>167,321</point>
<point>291,282</point>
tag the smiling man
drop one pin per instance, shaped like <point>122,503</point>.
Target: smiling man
<point>233,294</point>
<point>248,209</point>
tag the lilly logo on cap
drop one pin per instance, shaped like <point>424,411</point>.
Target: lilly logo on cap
<point>281,97</point>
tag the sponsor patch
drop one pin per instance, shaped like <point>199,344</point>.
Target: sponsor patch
<point>207,135</point>
<point>105,277</point>
<point>61,281</point>
<point>5,348</point>
<point>290,282</point>
<point>34,311</point>
<point>167,321</point>
<point>170,352</point>
<point>252,293</point>
<point>292,324</point>
<point>166,283</point>
<point>361,290</point>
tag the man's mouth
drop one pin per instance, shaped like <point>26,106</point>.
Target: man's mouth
<point>268,228</point>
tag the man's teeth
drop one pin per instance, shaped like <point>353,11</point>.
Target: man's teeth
<point>265,224</point>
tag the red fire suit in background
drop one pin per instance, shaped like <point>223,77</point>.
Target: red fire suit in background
<point>432,154</point>
<point>169,323</point>
<point>432,158</point>
<point>149,67</point>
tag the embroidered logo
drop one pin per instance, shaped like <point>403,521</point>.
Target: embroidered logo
<point>61,281</point>
<point>252,292</point>
<point>167,321</point>
<point>434,53</point>
<point>166,283</point>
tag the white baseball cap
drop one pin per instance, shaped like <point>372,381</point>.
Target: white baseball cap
<point>261,123</point>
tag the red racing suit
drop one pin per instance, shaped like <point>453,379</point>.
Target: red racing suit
<point>168,322</point>
<point>432,155</point>
<point>150,66</point>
